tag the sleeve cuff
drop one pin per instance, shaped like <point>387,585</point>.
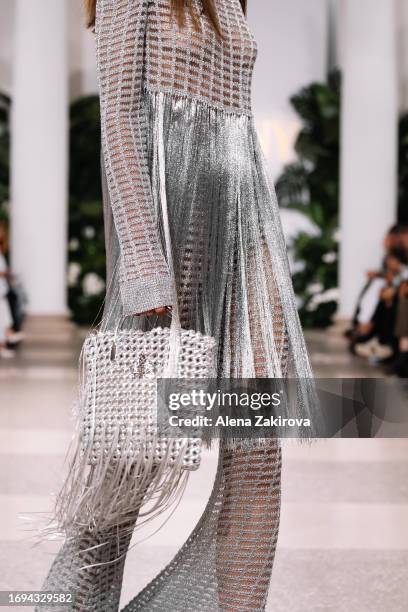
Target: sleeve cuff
<point>141,295</point>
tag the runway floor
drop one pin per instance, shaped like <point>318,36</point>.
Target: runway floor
<point>343,543</point>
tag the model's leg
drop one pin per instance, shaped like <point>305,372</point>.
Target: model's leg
<point>94,588</point>
<point>90,564</point>
<point>227,561</point>
<point>248,526</point>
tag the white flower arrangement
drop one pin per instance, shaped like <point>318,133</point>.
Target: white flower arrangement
<point>315,288</point>
<point>337,235</point>
<point>73,244</point>
<point>331,295</point>
<point>92,284</point>
<point>297,266</point>
<point>74,270</point>
<point>330,257</point>
<point>89,232</point>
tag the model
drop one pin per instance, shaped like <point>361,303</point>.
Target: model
<point>175,85</point>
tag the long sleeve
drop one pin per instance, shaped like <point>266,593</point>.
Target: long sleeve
<point>120,37</point>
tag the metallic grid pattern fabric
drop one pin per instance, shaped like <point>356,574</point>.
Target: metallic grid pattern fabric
<point>199,64</point>
<point>193,63</point>
<point>233,283</point>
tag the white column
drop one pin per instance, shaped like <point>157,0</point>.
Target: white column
<point>292,52</point>
<point>39,153</point>
<point>369,139</point>
<point>332,51</point>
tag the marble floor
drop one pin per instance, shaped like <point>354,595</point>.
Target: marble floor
<point>343,543</point>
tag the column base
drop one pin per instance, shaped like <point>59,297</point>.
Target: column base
<point>49,328</point>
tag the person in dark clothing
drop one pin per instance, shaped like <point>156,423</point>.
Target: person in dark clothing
<point>401,332</point>
<point>362,325</point>
<point>10,293</point>
<point>383,343</point>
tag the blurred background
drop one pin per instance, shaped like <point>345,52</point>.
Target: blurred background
<point>330,97</point>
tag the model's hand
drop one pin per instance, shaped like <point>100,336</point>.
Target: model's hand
<point>158,311</point>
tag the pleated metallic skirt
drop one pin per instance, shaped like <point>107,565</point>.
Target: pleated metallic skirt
<point>230,256</point>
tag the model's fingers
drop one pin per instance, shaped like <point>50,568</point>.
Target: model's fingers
<point>161,310</point>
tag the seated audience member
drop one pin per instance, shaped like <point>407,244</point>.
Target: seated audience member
<point>403,238</point>
<point>362,326</point>
<point>383,342</point>
<point>401,332</point>
<point>5,314</point>
<point>10,308</point>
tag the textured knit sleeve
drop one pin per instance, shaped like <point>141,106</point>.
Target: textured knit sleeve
<point>120,38</point>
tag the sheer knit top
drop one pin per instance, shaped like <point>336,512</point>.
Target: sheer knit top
<point>140,46</point>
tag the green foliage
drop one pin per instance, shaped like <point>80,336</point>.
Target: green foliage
<point>311,186</point>
<point>86,272</point>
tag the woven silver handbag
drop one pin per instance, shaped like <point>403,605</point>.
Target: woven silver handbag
<point>121,399</point>
<point>121,458</point>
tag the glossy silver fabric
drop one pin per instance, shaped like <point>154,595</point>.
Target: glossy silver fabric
<point>226,563</point>
<point>231,266</point>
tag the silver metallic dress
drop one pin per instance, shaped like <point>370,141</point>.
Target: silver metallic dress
<point>182,96</point>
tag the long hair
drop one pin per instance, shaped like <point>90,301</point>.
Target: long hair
<point>178,6</point>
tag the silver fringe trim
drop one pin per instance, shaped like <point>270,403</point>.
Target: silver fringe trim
<point>234,284</point>
<point>230,256</point>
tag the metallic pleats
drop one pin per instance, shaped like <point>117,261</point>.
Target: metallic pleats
<point>230,258</point>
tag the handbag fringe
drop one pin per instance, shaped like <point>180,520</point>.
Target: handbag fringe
<point>110,493</point>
